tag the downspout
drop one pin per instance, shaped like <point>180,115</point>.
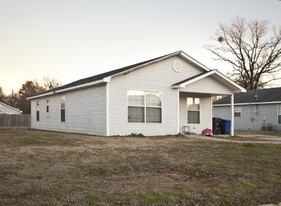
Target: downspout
<point>107,109</point>
<point>232,115</point>
<point>107,80</point>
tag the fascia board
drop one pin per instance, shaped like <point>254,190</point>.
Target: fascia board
<point>104,80</point>
<point>240,89</point>
<point>184,55</point>
<point>183,85</point>
<point>40,95</point>
<point>146,64</point>
<point>196,79</point>
<point>250,103</point>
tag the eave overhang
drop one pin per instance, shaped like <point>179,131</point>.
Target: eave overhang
<point>82,86</point>
<point>235,87</point>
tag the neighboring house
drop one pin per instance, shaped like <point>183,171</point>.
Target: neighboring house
<point>6,109</point>
<point>253,110</point>
<point>154,97</point>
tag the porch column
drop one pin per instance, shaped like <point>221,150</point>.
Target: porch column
<point>232,115</point>
<point>178,110</point>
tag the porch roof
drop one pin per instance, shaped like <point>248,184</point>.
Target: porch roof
<point>214,73</point>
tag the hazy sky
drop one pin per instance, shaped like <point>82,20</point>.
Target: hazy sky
<point>73,39</point>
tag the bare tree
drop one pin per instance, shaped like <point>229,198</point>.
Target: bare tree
<point>48,82</point>
<point>253,53</point>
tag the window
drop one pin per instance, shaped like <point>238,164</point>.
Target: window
<point>135,106</point>
<point>153,107</point>
<point>37,110</point>
<point>144,106</point>
<point>62,111</point>
<point>47,105</point>
<point>237,111</point>
<point>279,114</point>
<point>193,110</point>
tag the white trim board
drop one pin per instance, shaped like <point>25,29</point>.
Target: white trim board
<point>250,103</point>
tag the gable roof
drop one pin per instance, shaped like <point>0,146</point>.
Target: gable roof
<point>10,107</point>
<point>216,74</point>
<point>185,81</point>
<point>105,77</point>
<point>272,95</point>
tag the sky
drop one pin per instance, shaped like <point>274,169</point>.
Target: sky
<point>73,39</point>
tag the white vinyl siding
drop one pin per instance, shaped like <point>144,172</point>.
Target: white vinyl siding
<point>157,77</point>
<point>250,119</point>
<point>6,109</point>
<point>144,106</point>
<point>208,85</point>
<point>85,112</point>
<point>205,112</point>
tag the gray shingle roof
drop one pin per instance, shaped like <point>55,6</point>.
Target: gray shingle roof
<point>252,96</point>
<point>104,75</point>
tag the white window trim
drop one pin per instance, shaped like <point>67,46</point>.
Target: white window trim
<point>193,98</point>
<point>144,106</point>
<point>63,108</point>
<point>239,111</point>
<point>47,106</point>
<point>278,109</point>
<point>38,110</point>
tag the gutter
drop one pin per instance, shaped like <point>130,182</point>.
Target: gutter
<point>249,103</point>
<point>182,85</point>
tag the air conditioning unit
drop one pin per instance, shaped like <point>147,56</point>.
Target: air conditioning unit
<point>266,127</point>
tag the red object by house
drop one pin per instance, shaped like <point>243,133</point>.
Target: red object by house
<point>207,132</point>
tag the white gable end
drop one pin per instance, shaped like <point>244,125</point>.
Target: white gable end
<point>207,85</point>
<point>157,77</point>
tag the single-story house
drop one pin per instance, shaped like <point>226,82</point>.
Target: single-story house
<point>156,97</point>
<point>6,109</point>
<point>254,110</point>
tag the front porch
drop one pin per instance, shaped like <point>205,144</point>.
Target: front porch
<point>195,109</point>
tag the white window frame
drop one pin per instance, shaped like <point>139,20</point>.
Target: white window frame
<point>62,108</point>
<point>136,105</point>
<point>194,110</point>
<point>37,111</point>
<point>47,105</point>
<point>145,106</point>
<point>238,110</point>
<point>278,113</point>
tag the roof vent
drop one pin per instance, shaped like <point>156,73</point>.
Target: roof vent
<point>177,66</point>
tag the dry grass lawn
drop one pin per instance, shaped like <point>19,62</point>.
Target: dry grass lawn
<point>49,168</point>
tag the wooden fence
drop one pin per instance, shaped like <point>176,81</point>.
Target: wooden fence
<point>14,120</point>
